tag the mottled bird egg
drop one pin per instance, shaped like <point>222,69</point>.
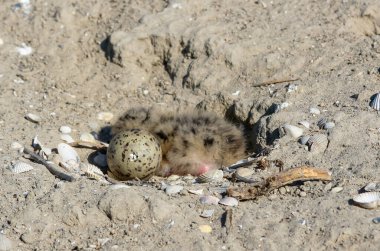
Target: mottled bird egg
<point>133,154</point>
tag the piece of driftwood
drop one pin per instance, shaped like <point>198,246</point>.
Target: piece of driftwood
<point>50,167</point>
<point>286,177</point>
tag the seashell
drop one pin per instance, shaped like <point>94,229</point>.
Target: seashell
<point>304,139</point>
<point>33,118</point>
<point>369,200</point>
<point>211,176</point>
<point>229,201</point>
<point>207,213</point>
<point>198,191</point>
<point>67,138</point>
<point>336,189</point>
<point>205,229</point>
<point>65,129</point>
<point>375,102</point>
<point>305,123</point>
<point>209,200</point>
<point>329,125</point>
<point>70,165</point>
<point>119,186</point>
<point>91,171</point>
<point>173,189</point>
<point>20,167</point>
<point>5,243</point>
<point>292,130</point>
<point>87,137</point>
<point>321,123</point>
<point>67,153</point>
<point>105,116</point>
<point>314,111</point>
<point>318,143</point>
<point>373,186</point>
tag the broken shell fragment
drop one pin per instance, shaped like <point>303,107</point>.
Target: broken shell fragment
<point>205,229</point>
<point>318,143</point>
<point>67,153</point>
<point>105,116</point>
<point>373,186</point>
<point>292,130</point>
<point>314,111</point>
<point>329,125</point>
<point>369,200</point>
<point>65,129</point>
<point>207,213</point>
<point>211,176</point>
<point>20,167</point>
<point>229,201</point>
<point>87,137</point>
<point>375,103</point>
<point>67,138</point>
<point>91,171</point>
<point>33,118</point>
<point>305,123</point>
<point>304,139</point>
<point>209,200</point>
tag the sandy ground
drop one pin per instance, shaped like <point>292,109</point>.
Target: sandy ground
<point>93,56</point>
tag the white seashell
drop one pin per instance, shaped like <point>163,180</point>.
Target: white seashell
<point>211,176</point>
<point>173,189</point>
<point>207,213</point>
<point>67,138</point>
<point>119,186</point>
<point>229,201</point>
<point>16,146</point>
<point>105,116</point>
<point>87,137</point>
<point>65,129</point>
<point>305,123</point>
<point>198,191</point>
<point>318,143</point>
<point>20,167</point>
<point>209,200</point>
<point>375,103</point>
<point>67,153</point>
<point>373,186</point>
<point>100,160</point>
<point>5,243</point>
<point>314,111</point>
<point>91,171</point>
<point>369,200</point>
<point>33,118</point>
<point>329,125</point>
<point>292,130</point>
<point>304,139</point>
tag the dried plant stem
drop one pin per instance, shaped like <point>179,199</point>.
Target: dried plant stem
<point>278,81</point>
<point>50,167</point>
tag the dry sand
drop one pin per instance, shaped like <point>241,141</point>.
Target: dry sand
<point>94,56</point>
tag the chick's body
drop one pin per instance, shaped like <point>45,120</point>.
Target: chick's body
<point>192,142</point>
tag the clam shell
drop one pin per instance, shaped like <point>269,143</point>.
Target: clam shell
<point>373,186</point>
<point>304,139</point>
<point>375,103</point>
<point>87,137</point>
<point>292,130</point>
<point>20,167</point>
<point>211,176</point>
<point>67,138</point>
<point>91,171</point>
<point>369,200</point>
<point>229,201</point>
<point>209,200</point>
<point>305,123</point>
<point>65,129</point>
<point>33,118</point>
<point>318,143</point>
<point>67,153</point>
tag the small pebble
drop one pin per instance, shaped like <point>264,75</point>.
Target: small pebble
<point>100,160</point>
<point>314,111</point>
<point>105,116</point>
<point>302,194</point>
<point>282,190</point>
<point>207,213</point>
<point>329,125</point>
<point>33,118</point>
<point>173,189</point>
<point>336,189</point>
<point>376,220</point>
<point>65,129</point>
<point>205,229</point>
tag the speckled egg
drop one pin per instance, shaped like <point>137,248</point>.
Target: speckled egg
<point>133,154</point>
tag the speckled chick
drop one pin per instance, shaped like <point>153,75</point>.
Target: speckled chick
<point>191,142</point>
